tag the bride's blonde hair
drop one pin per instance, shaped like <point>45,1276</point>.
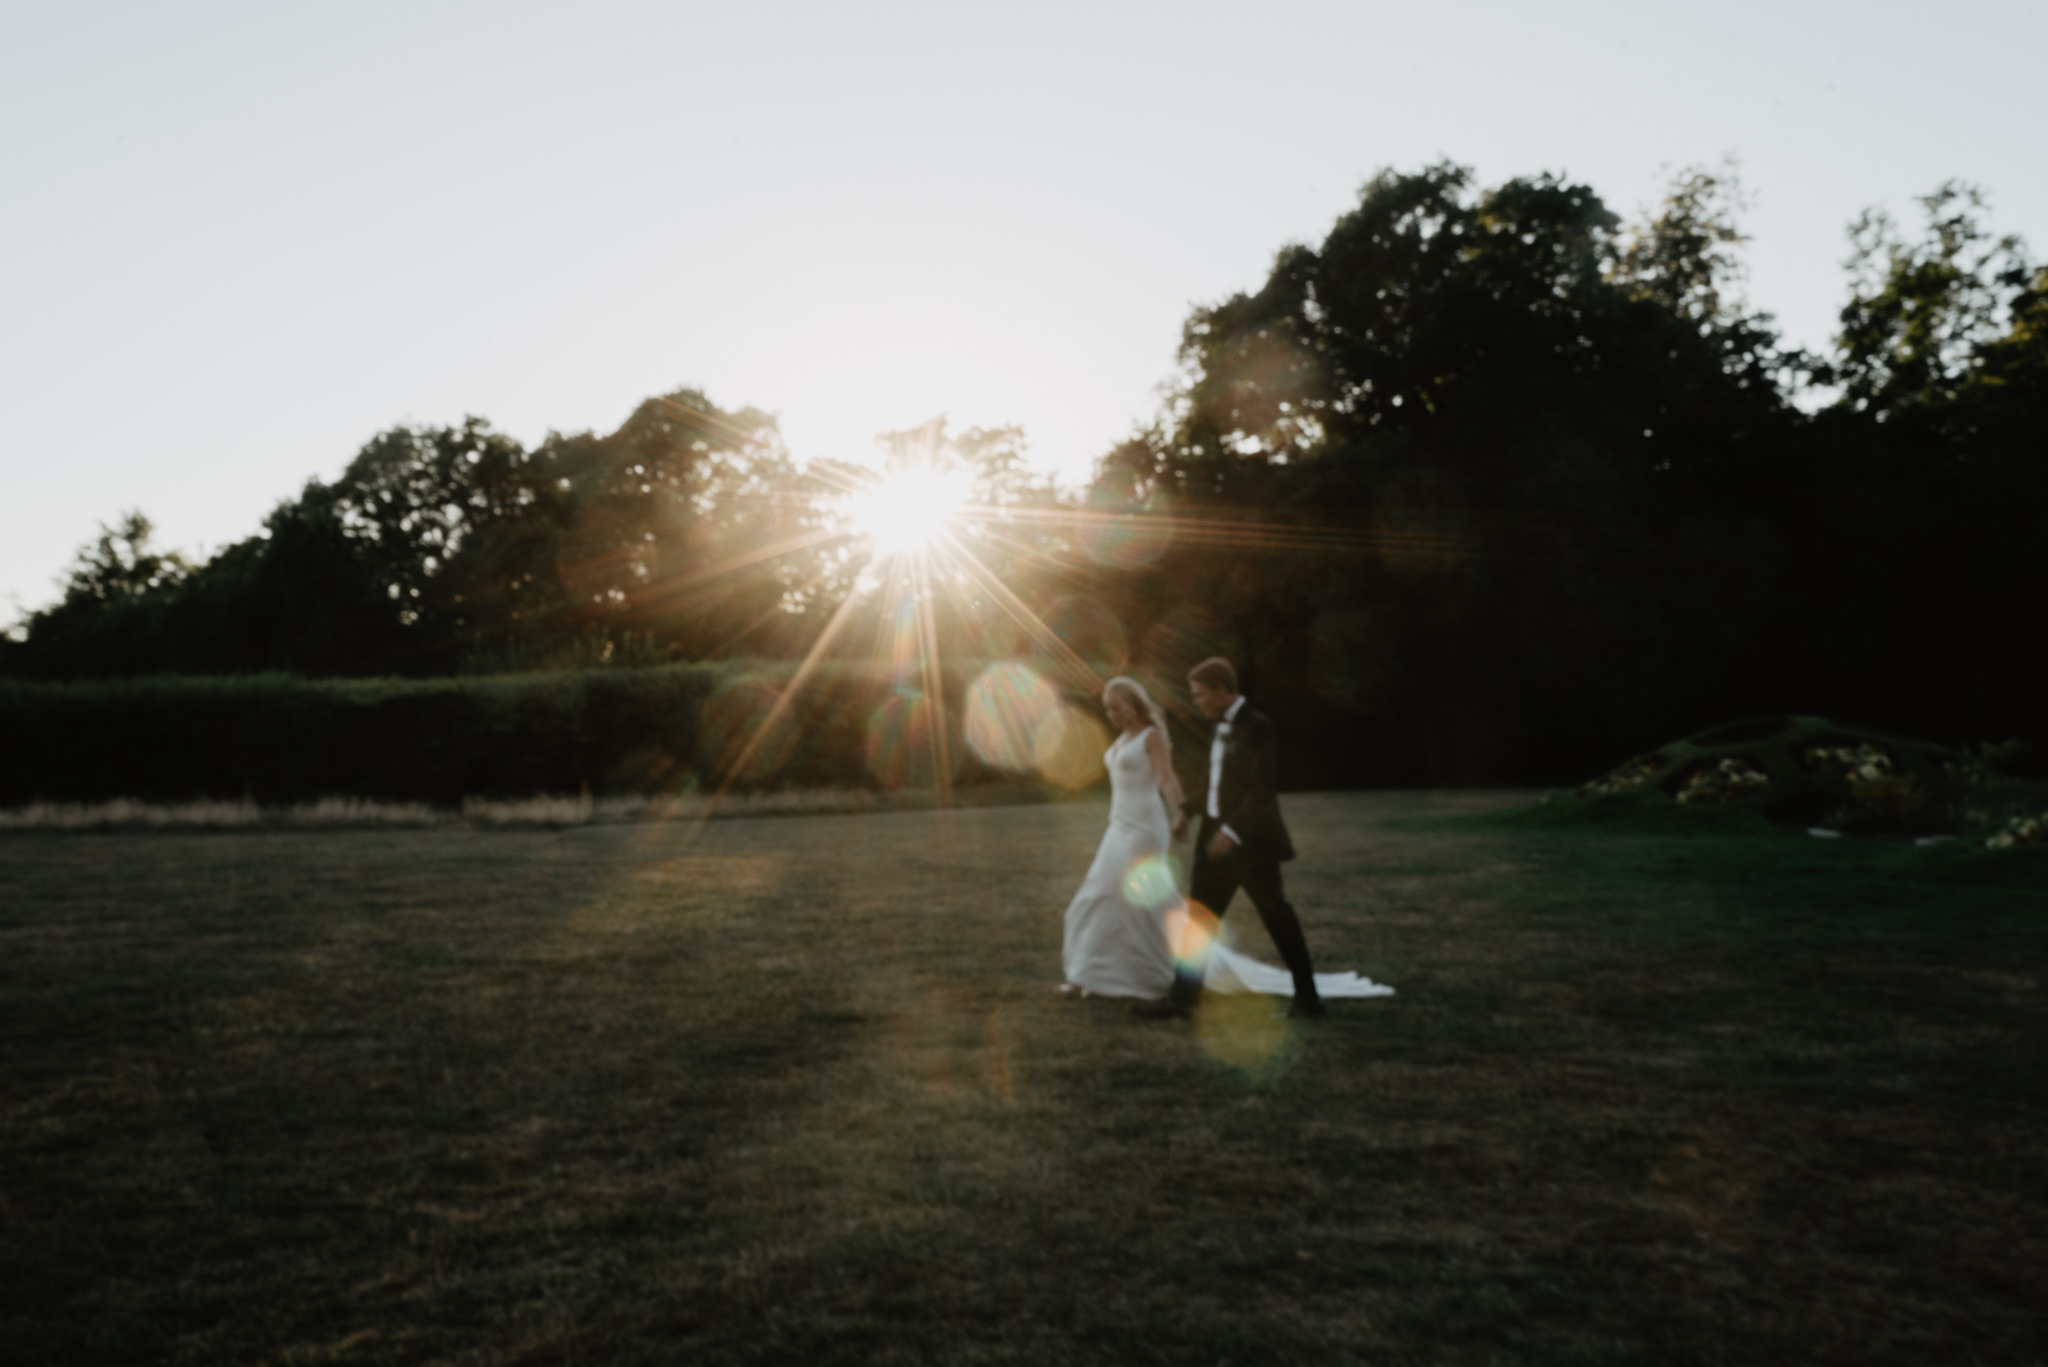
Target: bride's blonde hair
<point>1135,691</point>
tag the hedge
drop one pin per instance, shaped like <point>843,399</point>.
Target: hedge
<point>279,738</point>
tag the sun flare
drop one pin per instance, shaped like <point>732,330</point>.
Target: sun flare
<point>904,512</point>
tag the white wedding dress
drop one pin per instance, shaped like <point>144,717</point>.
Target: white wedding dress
<point>1117,924</point>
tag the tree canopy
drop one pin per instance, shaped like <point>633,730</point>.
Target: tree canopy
<point>1561,477</point>
<point>1486,478</point>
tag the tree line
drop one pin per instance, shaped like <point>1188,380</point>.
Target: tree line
<point>1487,485</point>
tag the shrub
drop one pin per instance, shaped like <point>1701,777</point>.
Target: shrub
<point>2021,830</point>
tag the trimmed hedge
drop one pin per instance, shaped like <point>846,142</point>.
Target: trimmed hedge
<point>279,738</point>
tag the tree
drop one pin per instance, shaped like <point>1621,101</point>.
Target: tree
<point>111,617</point>
<point>688,525</point>
<point>438,549</point>
<point>1688,254</point>
<point>122,565</point>
<point>1922,316</point>
<point>1518,438</point>
<point>2012,370</point>
<point>642,541</point>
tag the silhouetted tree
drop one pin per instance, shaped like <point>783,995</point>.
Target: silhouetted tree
<point>1486,484</point>
<point>454,548</point>
<point>1925,489</point>
<point>111,617</point>
<point>1517,439</point>
<point>1922,316</point>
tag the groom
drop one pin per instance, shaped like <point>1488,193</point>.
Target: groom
<point>1241,842</point>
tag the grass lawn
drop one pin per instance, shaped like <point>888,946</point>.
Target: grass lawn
<point>798,1089</point>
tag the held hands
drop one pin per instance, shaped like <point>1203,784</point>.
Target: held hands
<point>1180,824</point>
<point>1220,844</point>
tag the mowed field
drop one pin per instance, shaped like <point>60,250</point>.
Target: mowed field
<point>800,1090</point>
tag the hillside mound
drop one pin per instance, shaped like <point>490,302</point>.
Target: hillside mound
<point>1797,770</point>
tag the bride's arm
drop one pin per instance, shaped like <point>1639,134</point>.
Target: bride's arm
<point>1162,770</point>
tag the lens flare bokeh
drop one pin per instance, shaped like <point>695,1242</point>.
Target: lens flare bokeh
<point>1067,746</point>
<point>1237,1028</point>
<point>945,571</point>
<point>1245,1032</point>
<point>1190,930</point>
<point>1002,711</point>
<point>1153,883</point>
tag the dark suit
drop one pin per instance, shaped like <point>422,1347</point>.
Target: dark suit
<point>1249,800</point>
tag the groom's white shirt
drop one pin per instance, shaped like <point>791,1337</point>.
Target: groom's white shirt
<point>1216,767</point>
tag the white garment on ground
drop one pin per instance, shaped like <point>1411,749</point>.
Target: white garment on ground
<point>1116,941</point>
<point>1230,971</point>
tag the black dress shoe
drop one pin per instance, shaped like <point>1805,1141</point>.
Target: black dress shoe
<point>1307,1009</point>
<point>1165,1009</point>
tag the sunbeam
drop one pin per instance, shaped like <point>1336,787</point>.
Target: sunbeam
<point>913,543</point>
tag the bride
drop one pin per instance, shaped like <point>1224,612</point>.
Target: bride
<point>1118,923</point>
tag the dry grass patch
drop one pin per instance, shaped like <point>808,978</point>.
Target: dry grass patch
<point>545,809</point>
<point>213,815</point>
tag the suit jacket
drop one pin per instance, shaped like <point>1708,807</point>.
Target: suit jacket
<point>1248,794</point>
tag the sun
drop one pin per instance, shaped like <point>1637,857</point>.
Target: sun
<point>904,512</point>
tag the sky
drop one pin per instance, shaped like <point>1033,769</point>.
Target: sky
<point>241,239</point>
